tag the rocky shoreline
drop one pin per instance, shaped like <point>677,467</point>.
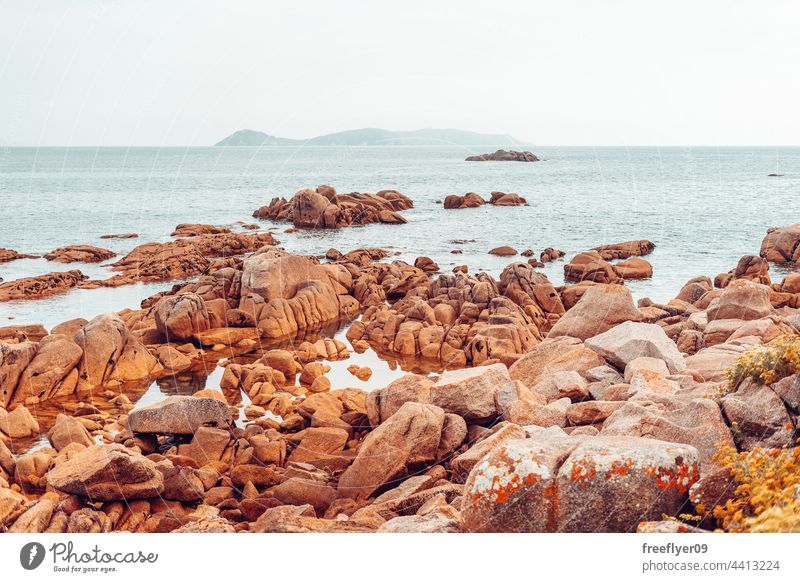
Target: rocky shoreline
<point>537,408</point>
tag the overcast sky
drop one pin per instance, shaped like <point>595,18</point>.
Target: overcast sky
<point>555,72</point>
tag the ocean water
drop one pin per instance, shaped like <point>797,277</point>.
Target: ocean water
<point>703,207</point>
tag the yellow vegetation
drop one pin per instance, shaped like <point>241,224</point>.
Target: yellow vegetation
<point>767,497</point>
<point>776,360</point>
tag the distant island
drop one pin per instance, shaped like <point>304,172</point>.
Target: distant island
<point>373,137</point>
<point>504,156</point>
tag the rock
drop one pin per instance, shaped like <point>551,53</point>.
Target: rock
<point>124,235</point>
<point>469,200</point>
<point>107,473</point>
<point>742,299</point>
<point>172,360</point>
<point>298,491</point>
<point>283,361</point>
<point>426,264</point>
<point>198,229</point>
<point>590,266</point>
<point>12,505</point>
<point>409,439</point>
<point>788,389</point>
<point>749,267</point>
<point>713,362</point>
<point>79,254</point>
<point>7,255</point>
<point>383,403</point>
<point>598,310</point>
<point>68,430</point>
<point>502,436</point>
<point>180,317</point>
<point>591,411</point>
<point>30,469</point>
<point>578,484</point>
<point>504,156</point>
<point>180,483</point>
<point>50,372</point>
<point>650,364</point>
<point>634,269</point>
<point>758,417</point>
<point>714,488</point>
<point>179,415</point>
<point>14,334</point>
<point>531,413</point>
<point>780,245</point>
<point>693,421</point>
<point>19,423</point>
<point>550,254</point>
<point>469,392</point>
<point>624,250</point>
<point>446,520</point>
<point>319,445</point>
<point>504,251</point>
<point>503,199</point>
<point>324,208</point>
<point>183,258</point>
<point>629,340</point>
<point>289,293</point>
<point>41,286</point>
<point>257,475</point>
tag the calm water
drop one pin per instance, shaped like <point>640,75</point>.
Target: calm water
<point>703,207</point>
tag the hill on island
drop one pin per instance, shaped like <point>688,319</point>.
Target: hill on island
<point>374,137</point>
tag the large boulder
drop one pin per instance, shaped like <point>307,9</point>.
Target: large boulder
<point>759,417</point>
<point>599,309</point>
<point>692,421</point>
<point>782,245</point>
<point>111,352</point>
<point>287,293</point>
<point>410,439</point>
<point>180,415</point>
<point>14,358</point>
<point>554,483</point>
<point>469,392</point>
<point>590,266</point>
<point>384,402</point>
<point>50,372</point>
<point>742,299</point>
<point>107,473</point>
<point>68,430</point>
<point>179,317</point>
<point>627,341</point>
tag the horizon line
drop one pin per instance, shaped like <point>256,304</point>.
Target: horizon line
<point>742,145</point>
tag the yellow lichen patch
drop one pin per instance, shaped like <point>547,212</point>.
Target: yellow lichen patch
<point>768,364</point>
<point>767,496</point>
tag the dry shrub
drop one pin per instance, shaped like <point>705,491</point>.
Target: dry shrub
<point>767,497</point>
<point>766,365</point>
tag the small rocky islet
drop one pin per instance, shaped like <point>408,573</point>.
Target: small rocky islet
<point>536,408</point>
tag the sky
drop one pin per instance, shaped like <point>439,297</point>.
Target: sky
<point>565,72</point>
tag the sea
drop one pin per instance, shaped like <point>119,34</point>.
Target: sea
<point>703,207</point>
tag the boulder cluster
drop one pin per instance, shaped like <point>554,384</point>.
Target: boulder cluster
<point>571,409</point>
<point>473,200</point>
<point>324,208</point>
